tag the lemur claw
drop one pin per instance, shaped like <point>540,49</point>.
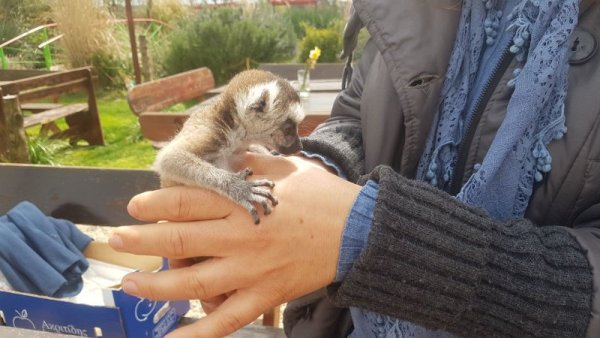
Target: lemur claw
<point>262,197</point>
<point>263,183</point>
<point>258,192</point>
<point>254,215</point>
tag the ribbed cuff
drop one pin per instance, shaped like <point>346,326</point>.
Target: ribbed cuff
<point>342,145</point>
<point>326,161</point>
<point>356,231</point>
<point>439,263</point>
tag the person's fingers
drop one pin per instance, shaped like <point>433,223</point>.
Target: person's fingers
<point>210,305</point>
<point>181,263</point>
<point>179,204</point>
<point>180,240</point>
<point>239,310</point>
<point>202,281</point>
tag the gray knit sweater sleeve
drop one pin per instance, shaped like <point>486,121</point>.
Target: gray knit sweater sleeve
<point>437,262</point>
<point>340,140</point>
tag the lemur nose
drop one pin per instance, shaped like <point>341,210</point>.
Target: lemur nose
<point>291,149</point>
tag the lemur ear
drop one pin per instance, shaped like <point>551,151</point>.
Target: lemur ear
<point>260,105</point>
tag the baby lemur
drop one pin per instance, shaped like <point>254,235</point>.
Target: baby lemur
<point>256,108</point>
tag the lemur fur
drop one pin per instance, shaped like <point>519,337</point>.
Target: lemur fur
<point>256,108</point>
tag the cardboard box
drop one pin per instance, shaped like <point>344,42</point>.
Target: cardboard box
<point>125,316</point>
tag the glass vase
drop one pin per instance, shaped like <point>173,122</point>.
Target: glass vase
<point>303,82</point>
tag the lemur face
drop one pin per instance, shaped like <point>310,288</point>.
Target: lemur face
<point>270,110</point>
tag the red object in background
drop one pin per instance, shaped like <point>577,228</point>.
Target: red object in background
<point>293,2</point>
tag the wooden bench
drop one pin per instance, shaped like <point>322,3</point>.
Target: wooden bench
<point>82,118</point>
<point>148,100</point>
<point>94,196</point>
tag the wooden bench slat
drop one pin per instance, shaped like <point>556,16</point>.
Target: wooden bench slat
<point>162,93</point>
<point>14,87</point>
<point>38,107</point>
<point>8,75</point>
<point>63,88</point>
<point>53,114</point>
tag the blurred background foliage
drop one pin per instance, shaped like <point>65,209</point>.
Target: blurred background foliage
<point>329,37</point>
<point>226,36</point>
<point>228,40</point>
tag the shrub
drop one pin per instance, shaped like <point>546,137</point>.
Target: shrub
<point>169,11</point>
<point>329,40</point>
<point>19,16</point>
<point>112,71</point>
<point>323,15</point>
<point>8,29</point>
<point>86,29</point>
<point>90,39</point>
<point>224,39</point>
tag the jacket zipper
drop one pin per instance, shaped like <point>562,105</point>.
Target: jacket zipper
<point>465,144</point>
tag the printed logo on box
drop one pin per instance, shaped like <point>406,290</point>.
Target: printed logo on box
<point>143,309</point>
<point>66,329</point>
<point>22,321</point>
<point>169,320</point>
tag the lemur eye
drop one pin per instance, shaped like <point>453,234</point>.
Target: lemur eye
<point>259,106</point>
<point>288,127</point>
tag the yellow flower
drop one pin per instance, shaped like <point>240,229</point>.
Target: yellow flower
<point>314,54</point>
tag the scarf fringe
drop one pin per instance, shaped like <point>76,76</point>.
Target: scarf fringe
<point>540,150</point>
<point>525,154</point>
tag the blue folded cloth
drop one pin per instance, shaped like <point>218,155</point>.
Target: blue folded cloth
<point>41,254</point>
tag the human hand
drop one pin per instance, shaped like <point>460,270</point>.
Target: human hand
<point>252,268</point>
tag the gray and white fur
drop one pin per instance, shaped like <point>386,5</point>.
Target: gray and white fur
<point>256,108</point>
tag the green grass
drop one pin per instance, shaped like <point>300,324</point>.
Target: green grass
<point>125,147</point>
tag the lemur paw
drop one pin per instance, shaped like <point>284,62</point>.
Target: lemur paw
<point>255,192</point>
<point>260,196</point>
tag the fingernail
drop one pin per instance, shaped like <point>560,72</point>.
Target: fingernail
<point>130,287</point>
<point>116,242</point>
<point>132,208</point>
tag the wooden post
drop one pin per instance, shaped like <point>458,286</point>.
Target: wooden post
<point>146,77</point>
<point>3,131</point>
<point>134,54</point>
<point>13,144</point>
<point>272,317</point>
<point>149,8</point>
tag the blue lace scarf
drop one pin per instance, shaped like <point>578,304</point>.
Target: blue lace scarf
<point>503,183</point>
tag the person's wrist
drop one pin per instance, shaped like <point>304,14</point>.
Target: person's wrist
<point>344,193</point>
<point>321,202</point>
